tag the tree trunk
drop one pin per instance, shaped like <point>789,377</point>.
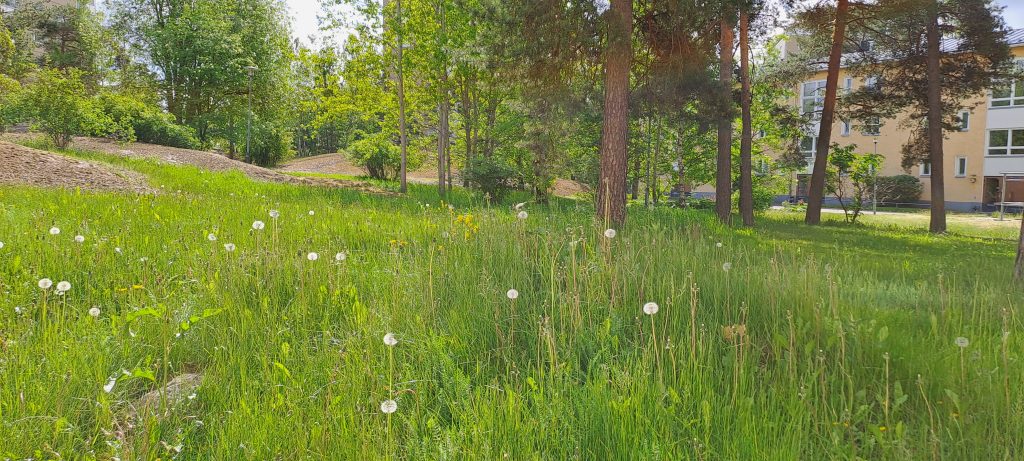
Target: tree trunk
<point>442,115</point>
<point>746,167</point>
<point>403,135</point>
<point>467,126</point>
<point>938,218</point>
<point>1018,268</point>
<point>816,191</point>
<point>611,193</point>
<point>723,176</point>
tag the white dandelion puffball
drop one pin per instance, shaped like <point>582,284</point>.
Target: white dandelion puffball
<point>110,385</point>
<point>94,312</point>
<point>63,286</point>
<point>519,206</point>
<point>274,214</point>
<point>962,342</point>
<point>229,246</point>
<point>522,215</point>
<point>117,250</point>
<point>54,231</point>
<point>726,267</point>
<point>609,233</point>
<point>45,283</point>
<point>512,293</point>
<point>719,244</point>
<point>311,213</point>
<point>651,308</point>
<point>258,225</point>
<point>312,256</point>
<point>390,340</point>
<point>340,256</point>
<point>1,244</point>
<point>388,406</point>
<point>211,237</point>
<point>79,238</point>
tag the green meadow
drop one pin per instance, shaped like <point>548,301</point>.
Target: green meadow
<point>875,341</point>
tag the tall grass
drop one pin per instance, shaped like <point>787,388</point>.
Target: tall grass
<point>816,343</point>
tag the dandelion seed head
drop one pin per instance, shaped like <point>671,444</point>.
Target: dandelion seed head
<point>312,256</point>
<point>388,406</point>
<point>229,246</point>
<point>54,231</point>
<point>258,225</point>
<point>962,342</point>
<point>523,215</point>
<point>726,267</point>
<point>79,238</point>
<point>45,283</point>
<point>651,308</point>
<point>609,233</point>
<point>340,256</point>
<point>211,237</point>
<point>94,312</point>
<point>719,244</point>
<point>512,293</point>
<point>311,213</point>
<point>520,206</point>
<point>1,244</point>
<point>390,340</point>
<point>117,250</point>
<point>274,214</point>
<point>63,286</point>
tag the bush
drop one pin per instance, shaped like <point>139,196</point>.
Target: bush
<point>377,155</point>
<point>902,188</point>
<point>58,105</point>
<point>491,175</point>
<point>270,145</point>
<point>10,111</point>
<point>147,122</point>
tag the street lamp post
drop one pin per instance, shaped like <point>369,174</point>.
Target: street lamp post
<point>248,124</point>
<point>874,184</point>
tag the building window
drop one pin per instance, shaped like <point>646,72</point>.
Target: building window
<point>960,166</point>
<point>812,99</point>
<point>1006,142</point>
<point>808,146</point>
<point>965,120</point>
<point>845,129</point>
<point>873,83</point>
<point>872,126</point>
<point>848,84</point>
<point>1009,93</point>
<point>926,168</point>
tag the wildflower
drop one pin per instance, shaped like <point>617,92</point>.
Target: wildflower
<point>45,283</point>
<point>17,309</point>
<point>522,215</point>
<point>519,206</point>
<point>117,250</point>
<point>110,385</point>
<point>390,340</point>
<point>312,256</point>
<point>388,406</point>
<point>719,244</point>
<point>258,225</point>
<point>94,312</point>
<point>54,231</point>
<point>512,293</point>
<point>1,244</point>
<point>274,214</point>
<point>229,246</point>
<point>311,213</point>
<point>79,238</point>
<point>340,256</point>
<point>734,332</point>
<point>211,237</point>
<point>651,308</point>
<point>726,267</point>
<point>962,342</point>
<point>63,287</point>
<point>609,233</point>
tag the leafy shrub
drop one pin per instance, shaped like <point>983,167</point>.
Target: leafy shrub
<point>270,144</point>
<point>491,175</point>
<point>377,155</point>
<point>10,110</point>
<point>147,122</point>
<point>58,105</point>
<point>699,203</point>
<point>902,188</point>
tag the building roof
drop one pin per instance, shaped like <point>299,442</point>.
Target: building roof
<point>1015,37</point>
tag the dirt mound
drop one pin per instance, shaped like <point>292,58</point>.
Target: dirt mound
<point>206,160</point>
<point>27,166</point>
<point>568,188</point>
<point>339,164</point>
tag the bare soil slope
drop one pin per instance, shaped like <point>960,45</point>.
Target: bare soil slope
<point>21,165</point>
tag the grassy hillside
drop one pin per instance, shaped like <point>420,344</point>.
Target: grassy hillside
<point>782,342</point>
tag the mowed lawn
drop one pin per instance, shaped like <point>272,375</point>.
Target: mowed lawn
<point>876,341</point>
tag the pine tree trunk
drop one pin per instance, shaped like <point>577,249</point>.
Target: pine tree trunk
<point>611,193</point>
<point>938,199</point>
<point>816,190</point>
<point>403,135</point>
<point>746,140</point>
<point>723,176</point>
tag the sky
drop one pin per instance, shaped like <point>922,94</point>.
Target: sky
<point>304,13</point>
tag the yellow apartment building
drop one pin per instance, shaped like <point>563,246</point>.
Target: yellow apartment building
<point>988,148</point>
